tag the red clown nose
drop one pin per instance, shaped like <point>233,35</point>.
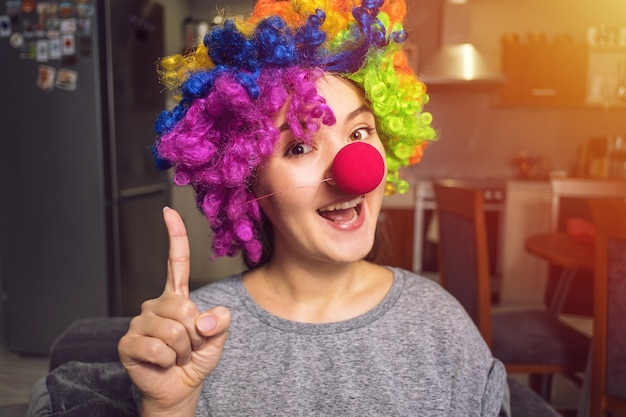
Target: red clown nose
<point>358,168</point>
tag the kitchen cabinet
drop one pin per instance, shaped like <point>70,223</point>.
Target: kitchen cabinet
<point>561,71</point>
<point>526,212</point>
<point>541,71</point>
<point>606,80</point>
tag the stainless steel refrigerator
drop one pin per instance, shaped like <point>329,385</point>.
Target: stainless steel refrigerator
<point>81,233</point>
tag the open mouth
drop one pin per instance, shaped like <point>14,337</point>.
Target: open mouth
<point>345,212</point>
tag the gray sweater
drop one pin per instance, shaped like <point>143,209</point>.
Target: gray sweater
<point>415,354</point>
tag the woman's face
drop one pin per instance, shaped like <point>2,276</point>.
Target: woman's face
<point>316,219</point>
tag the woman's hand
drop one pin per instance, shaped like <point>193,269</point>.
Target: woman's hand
<point>170,348</point>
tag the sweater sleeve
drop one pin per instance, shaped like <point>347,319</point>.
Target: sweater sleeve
<point>496,398</point>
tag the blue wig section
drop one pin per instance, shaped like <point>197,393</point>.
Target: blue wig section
<point>227,46</point>
<point>369,33</point>
<point>309,38</point>
<point>167,119</point>
<point>160,163</point>
<point>275,42</point>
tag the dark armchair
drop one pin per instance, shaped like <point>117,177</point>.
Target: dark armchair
<point>85,375</point>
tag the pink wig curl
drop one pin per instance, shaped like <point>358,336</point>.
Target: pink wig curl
<point>224,137</point>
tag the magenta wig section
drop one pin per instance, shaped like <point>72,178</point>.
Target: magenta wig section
<point>223,138</point>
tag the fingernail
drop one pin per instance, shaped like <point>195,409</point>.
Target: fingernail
<point>166,208</point>
<point>206,324</point>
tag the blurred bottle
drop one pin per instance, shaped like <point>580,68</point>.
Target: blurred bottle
<point>598,153</point>
<point>581,166</point>
<point>617,157</point>
<point>602,35</point>
<point>621,83</point>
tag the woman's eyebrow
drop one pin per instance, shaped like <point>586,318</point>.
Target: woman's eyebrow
<point>358,111</point>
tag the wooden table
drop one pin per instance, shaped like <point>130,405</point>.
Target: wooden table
<point>558,248</point>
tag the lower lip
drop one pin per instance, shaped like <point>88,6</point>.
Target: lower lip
<point>352,225</point>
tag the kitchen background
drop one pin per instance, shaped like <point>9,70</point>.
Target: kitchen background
<point>481,134</point>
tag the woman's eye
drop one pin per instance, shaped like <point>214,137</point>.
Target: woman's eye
<point>361,134</point>
<point>299,148</point>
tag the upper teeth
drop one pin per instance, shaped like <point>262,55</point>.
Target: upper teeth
<point>343,206</point>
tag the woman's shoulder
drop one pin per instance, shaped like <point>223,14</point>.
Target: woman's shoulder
<point>430,316</point>
<point>426,301</point>
<point>426,289</point>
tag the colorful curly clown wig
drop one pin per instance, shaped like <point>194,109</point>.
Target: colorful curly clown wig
<point>230,87</point>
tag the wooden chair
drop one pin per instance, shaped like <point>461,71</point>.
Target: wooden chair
<point>608,369</point>
<point>570,198</point>
<point>526,341</point>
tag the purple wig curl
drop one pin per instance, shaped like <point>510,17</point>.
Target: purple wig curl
<point>223,138</point>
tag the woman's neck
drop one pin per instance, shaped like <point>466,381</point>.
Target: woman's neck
<point>318,293</point>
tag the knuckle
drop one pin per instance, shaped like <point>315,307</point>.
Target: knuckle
<point>148,305</point>
<point>155,352</point>
<point>180,259</point>
<point>174,333</point>
<point>188,309</point>
<point>123,344</point>
<point>136,323</point>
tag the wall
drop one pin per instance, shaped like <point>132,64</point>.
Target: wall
<point>478,139</point>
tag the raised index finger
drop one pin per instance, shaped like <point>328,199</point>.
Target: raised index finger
<point>178,259</point>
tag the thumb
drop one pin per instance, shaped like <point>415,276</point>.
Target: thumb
<point>213,323</point>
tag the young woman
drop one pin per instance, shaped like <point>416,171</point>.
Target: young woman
<point>311,327</point>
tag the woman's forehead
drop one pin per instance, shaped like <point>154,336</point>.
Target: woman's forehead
<point>340,94</point>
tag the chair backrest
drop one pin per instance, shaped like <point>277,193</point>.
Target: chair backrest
<point>581,190</point>
<point>463,251</point>
<point>608,374</point>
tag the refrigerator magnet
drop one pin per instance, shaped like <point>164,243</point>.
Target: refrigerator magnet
<point>53,25</point>
<point>66,9</point>
<point>68,25</point>
<point>16,40</point>
<point>28,6</point>
<point>66,79</point>
<point>45,77</point>
<point>84,10</point>
<point>42,50</point>
<point>68,44</point>
<point>28,50</point>
<point>14,8</point>
<point>55,48</point>
<point>5,27</point>
<point>83,26</point>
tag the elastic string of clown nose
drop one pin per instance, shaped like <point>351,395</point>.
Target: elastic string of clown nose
<point>288,189</point>
<point>358,168</point>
